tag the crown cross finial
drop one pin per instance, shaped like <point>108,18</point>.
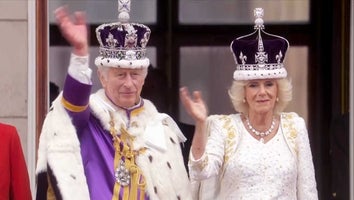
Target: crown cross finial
<point>123,5</point>
<point>123,10</point>
<point>258,14</point>
<point>261,56</point>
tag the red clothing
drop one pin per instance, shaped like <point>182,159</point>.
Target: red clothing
<point>14,179</point>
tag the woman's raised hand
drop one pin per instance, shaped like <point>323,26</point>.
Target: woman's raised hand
<point>194,105</point>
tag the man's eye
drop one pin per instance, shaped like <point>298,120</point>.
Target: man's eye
<point>269,84</point>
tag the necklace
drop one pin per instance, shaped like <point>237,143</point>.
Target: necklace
<point>258,133</point>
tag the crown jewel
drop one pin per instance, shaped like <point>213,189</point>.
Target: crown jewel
<point>258,14</point>
<point>259,55</point>
<point>123,44</point>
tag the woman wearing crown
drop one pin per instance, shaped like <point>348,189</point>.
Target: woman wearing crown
<point>261,152</point>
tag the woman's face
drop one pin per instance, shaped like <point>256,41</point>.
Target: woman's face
<point>261,95</point>
<point>123,86</point>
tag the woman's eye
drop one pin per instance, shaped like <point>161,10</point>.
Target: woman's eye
<point>252,85</point>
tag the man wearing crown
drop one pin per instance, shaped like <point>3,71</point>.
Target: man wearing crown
<point>112,144</point>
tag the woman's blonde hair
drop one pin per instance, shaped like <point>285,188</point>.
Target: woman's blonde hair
<point>237,95</point>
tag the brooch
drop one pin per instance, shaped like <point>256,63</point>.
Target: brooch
<point>122,174</point>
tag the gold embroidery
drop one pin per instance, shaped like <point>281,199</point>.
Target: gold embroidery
<point>204,163</point>
<point>230,131</point>
<point>230,142</point>
<point>290,130</point>
<point>137,111</point>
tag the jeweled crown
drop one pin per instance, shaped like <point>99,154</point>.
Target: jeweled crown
<point>259,55</point>
<point>123,44</point>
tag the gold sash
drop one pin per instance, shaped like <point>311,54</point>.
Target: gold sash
<point>128,175</point>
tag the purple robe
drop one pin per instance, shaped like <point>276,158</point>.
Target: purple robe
<point>96,143</point>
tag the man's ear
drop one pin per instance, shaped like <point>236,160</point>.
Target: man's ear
<point>102,77</point>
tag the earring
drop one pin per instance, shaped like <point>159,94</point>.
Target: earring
<point>277,99</point>
<point>244,100</point>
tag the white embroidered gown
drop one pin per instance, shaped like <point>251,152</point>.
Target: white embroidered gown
<point>255,170</point>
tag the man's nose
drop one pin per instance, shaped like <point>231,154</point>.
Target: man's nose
<point>128,80</point>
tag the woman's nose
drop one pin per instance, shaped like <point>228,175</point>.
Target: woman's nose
<point>262,89</point>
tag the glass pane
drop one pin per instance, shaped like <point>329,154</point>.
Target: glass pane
<point>210,70</point>
<point>105,11</point>
<point>241,11</point>
<point>59,62</point>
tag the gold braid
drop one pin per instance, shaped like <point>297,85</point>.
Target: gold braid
<point>129,165</point>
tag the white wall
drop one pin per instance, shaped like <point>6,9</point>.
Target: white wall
<point>13,76</point>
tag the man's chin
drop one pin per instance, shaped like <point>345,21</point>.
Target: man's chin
<point>128,103</point>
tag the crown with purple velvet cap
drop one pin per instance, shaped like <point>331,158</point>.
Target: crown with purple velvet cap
<point>123,44</point>
<point>259,55</point>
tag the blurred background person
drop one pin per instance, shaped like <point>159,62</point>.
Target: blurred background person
<point>14,179</point>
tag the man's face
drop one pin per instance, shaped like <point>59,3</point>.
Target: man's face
<point>123,86</point>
